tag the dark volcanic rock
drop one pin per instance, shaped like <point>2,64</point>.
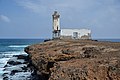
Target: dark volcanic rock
<point>5,78</point>
<point>13,62</point>
<point>17,69</point>
<point>14,71</point>
<point>76,60</point>
<point>25,57</point>
<point>91,52</point>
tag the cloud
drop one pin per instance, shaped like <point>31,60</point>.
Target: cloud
<point>4,18</point>
<point>32,5</point>
<point>44,6</point>
<point>67,6</point>
<point>99,13</point>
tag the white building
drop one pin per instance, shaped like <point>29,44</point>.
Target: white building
<point>75,33</point>
<point>68,33</point>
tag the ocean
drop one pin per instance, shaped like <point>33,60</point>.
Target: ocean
<point>111,40</point>
<point>12,47</point>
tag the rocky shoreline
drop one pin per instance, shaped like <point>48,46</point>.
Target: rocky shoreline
<point>19,67</point>
<point>75,60</point>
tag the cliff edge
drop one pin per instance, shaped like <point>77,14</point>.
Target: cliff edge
<point>76,60</point>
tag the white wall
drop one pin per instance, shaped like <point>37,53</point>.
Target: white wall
<point>56,23</point>
<point>69,32</point>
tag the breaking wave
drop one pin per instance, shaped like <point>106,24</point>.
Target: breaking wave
<point>17,46</point>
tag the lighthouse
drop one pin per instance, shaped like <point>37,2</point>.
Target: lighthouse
<point>56,25</point>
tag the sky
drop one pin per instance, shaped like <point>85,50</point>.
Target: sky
<point>33,18</point>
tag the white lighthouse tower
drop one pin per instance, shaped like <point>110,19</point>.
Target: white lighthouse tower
<point>56,25</point>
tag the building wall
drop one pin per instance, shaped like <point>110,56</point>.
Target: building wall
<point>56,24</point>
<point>81,33</point>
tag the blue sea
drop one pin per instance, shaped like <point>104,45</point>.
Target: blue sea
<point>11,47</point>
<point>111,40</point>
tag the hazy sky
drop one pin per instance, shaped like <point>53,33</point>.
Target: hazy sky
<point>32,18</point>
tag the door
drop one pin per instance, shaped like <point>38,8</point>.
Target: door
<point>75,35</point>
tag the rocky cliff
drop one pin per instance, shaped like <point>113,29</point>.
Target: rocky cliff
<point>76,60</point>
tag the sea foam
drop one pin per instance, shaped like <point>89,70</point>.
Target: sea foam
<point>18,46</point>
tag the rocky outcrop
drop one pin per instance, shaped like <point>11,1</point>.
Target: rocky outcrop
<point>76,60</point>
<point>19,67</point>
